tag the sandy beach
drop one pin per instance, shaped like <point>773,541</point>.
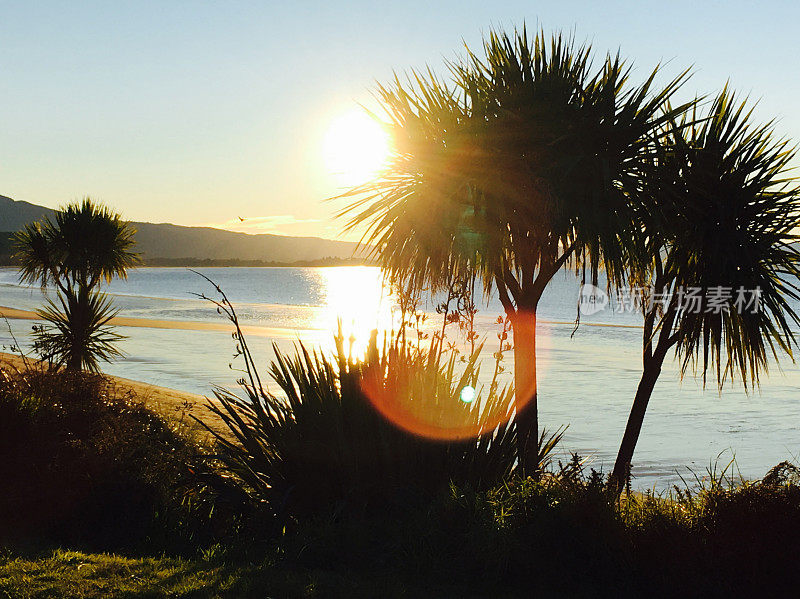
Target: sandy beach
<point>172,404</point>
<point>153,323</point>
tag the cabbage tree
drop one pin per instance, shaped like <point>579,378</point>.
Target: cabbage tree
<point>82,246</point>
<point>523,160</point>
<point>721,255</point>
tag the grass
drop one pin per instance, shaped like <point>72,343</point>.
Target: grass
<point>63,573</point>
<point>74,574</point>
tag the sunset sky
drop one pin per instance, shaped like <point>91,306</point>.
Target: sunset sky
<point>199,113</point>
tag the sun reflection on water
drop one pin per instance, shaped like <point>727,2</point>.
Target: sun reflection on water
<point>356,296</point>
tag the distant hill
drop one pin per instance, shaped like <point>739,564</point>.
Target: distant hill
<point>176,245</point>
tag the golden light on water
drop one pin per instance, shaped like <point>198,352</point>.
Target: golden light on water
<point>355,148</point>
<point>355,295</point>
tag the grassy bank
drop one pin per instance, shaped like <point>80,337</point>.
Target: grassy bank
<point>104,497</point>
<point>525,540</point>
<point>95,576</point>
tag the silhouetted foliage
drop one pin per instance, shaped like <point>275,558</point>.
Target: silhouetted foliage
<point>721,224</point>
<point>85,245</point>
<point>527,158</point>
<point>86,463</point>
<point>322,441</point>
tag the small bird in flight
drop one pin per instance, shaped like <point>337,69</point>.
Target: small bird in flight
<point>242,219</point>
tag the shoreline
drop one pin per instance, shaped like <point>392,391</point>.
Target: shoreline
<point>155,323</point>
<point>172,404</point>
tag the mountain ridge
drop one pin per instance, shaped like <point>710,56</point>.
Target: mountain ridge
<point>167,241</point>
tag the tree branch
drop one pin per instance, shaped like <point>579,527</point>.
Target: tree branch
<point>510,282</point>
<point>505,300</point>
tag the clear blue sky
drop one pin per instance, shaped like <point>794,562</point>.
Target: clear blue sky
<point>199,112</point>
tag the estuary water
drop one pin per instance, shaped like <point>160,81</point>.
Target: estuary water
<point>587,377</point>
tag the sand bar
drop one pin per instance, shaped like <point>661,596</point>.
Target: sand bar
<point>154,323</point>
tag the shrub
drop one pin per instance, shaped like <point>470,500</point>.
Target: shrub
<point>584,541</point>
<point>342,432</point>
<point>85,463</point>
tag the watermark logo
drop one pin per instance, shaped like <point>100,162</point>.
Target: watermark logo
<point>592,300</point>
<point>686,300</point>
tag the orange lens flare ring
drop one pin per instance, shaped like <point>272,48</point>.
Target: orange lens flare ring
<point>445,414</point>
<point>439,421</point>
<point>433,422</point>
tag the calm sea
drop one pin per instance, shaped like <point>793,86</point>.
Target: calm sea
<point>587,379</point>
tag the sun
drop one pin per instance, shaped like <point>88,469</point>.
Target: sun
<point>356,147</point>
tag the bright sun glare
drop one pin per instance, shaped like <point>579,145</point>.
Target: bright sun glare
<point>355,148</point>
<point>355,297</point>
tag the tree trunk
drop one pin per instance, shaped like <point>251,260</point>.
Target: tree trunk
<point>525,388</point>
<point>650,373</point>
<point>78,317</point>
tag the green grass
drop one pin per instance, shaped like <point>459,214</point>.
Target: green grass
<point>63,573</point>
<point>74,574</point>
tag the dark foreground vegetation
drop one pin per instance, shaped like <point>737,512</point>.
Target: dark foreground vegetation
<point>104,498</point>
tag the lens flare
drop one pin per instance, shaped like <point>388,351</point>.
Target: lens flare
<point>421,396</point>
<point>467,394</point>
<point>432,400</point>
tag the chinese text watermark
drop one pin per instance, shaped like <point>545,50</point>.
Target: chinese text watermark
<point>689,300</point>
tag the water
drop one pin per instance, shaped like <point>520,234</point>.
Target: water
<point>587,380</point>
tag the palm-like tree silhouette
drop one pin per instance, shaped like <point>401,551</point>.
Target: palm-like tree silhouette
<point>526,161</point>
<point>722,221</point>
<point>85,244</point>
